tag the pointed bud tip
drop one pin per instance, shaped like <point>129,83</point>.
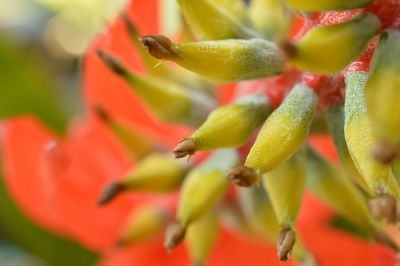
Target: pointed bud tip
<point>129,24</point>
<point>110,192</point>
<point>185,148</point>
<point>158,46</point>
<point>288,48</point>
<point>384,207</point>
<point>285,243</point>
<point>120,243</point>
<point>242,176</point>
<point>174,236</point>
<point>102,114</point>
<point>385,152</point>
<point>114,64</point>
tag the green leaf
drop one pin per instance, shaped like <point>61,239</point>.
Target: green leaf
<point>25,89</point>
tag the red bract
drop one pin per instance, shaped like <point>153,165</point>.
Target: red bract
<point>56,182</point>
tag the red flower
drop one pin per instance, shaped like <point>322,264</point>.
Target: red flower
<point>57,183</point>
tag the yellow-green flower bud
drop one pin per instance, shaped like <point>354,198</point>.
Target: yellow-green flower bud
<point>168,100</point>
<point>236,8</point>
<point>382,94</point>
<point>226,126</point>
<point>284,131</point>
<point>221,61</point>
<point>335,119</point>
<point>329,49</point>
<point>285,186</point>
<point>201,237</point>
<point>209,20</point>
<point>271,18</point>
<point>145,223</point>
<point>155,173</point>
<point>360,139</point>
<point>330,185</point>
<point>317,5</point>
<point>137,144</point>
<point>204,186</point>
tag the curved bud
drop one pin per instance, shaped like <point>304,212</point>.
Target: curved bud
<point>227,126</point>
<point>284,131</point>
<point>285,243</point>
<point>155,173</point>
<point>137,144</point>
<point>285,187</point>
<point>318,5</point>
<point>270,17</point>
<point>345,42</point>
<point>335,119</point>
<point>168,100</point>
<point>146,222</point>
<point>201,237</point>
<point>209,20</point>
<point>333,188</point>
<point>382,95</point>
<point>225,60</point>
<point>204,186</point>
<point>360,139</point>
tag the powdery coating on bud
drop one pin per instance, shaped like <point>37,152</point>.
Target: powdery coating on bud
<point>317,5</point>
<point>345,42</point>
<point>284,131</point>
<point>285,243</point>
<point>230,60</point>
<point>361,140</point>
<point>242,176</point>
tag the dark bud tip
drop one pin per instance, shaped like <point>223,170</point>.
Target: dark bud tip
<point>384,152</point>
<point>114,64</point>
<point>384,207</point>
<point>197,263</point>
<point>102,114</point>
<point>185,148</point>
<point>242,176</point>
<point>174,236</point>
<point>285,243</point>
<point>120,243</point>
<point>110,192</point>
<point>158,46</point>
<point>288,48</point>
<point>129,24</point>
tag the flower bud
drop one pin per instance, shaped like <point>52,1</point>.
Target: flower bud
<point>360,139</point>
<point>335,119</point>
<point>146,222</point>
<point>333,188</point>
<point>227,126</point>
<point>204,186</point>
<point>221,61</point>
<point>284,131</point>
<point>168,100</point>
<point>201,237</point>
<point>137,144</point>
<point>155,173</point>
<point>236,8</point>
<point>329,49</point>
<point>317,5</point>
<point>209,20</point>
<point>382,95</point>
<point>271,17</point>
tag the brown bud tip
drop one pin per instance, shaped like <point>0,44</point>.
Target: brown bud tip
<point>114,64</point>
<point>185,148</point>
<point>384,207</point>
<point>242,176</point>
<point>173,236</point>
<point>102,114</point>
<point>158,46</point>
<point>120,243</point>
<point>285,243</point>
<point>110,192</point>
<point>129,24</point>
<point>288,48</point>
<point>385,152</point>
<point>197,263</point>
